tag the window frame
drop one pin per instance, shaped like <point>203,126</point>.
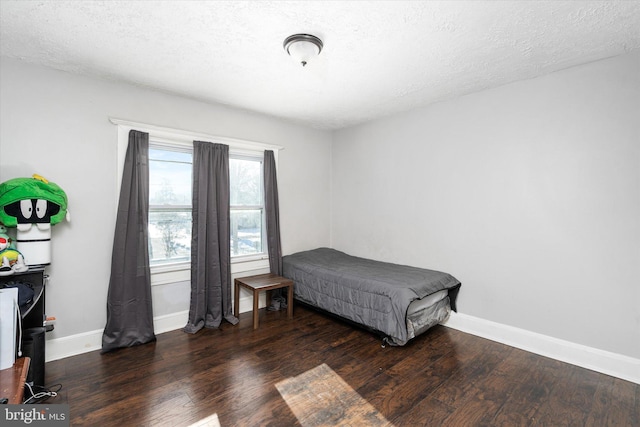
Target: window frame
<point>173,273</point>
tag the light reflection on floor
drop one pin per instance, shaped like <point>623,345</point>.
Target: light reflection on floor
<point>210,421</point>
<point>320,397</point>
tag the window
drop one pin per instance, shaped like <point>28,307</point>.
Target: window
<point>170,179</point>
<point>169,204</point>
<point>247,206</point>
<point>170,176</point>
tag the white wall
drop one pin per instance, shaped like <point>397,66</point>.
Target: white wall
<point>56,124</point>
<point>528,193</point>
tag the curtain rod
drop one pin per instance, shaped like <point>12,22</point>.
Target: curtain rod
<point>183,134</point>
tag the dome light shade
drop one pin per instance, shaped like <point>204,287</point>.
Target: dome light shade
<point>303,47</point>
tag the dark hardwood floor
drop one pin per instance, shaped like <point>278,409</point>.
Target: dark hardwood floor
<point>445,377</point>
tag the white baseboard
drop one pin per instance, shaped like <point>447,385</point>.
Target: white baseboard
<point>617,365</point>
<point>59,348</point>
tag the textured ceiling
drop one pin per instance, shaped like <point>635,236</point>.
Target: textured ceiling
<point>379,57</point>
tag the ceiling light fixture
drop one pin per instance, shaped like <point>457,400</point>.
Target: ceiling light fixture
<point>303,47</point>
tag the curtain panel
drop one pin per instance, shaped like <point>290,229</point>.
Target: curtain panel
<point>272,211</point>
<point>210,239</point>
<point>129,308</point>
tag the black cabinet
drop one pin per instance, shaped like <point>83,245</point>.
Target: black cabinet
<point>33,321</point>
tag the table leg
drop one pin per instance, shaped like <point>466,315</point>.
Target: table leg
<point>256,297</point>
<point>236,298</point>
<point>290,302</point>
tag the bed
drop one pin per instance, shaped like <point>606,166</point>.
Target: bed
<point>396,301</point>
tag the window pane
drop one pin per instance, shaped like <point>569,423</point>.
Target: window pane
<point>170,178</point>
<point>169,155</point>
<point>169,236</point>
<point>246,232</point>
<point>246,182</point>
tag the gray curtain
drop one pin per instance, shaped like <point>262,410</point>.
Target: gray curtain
<point>129,309</point>
<point>272,209</point>
<point>271,205</point>
<point>210,239</point>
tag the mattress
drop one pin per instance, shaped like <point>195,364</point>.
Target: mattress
<point>425,313</point>
<point>396,300</point>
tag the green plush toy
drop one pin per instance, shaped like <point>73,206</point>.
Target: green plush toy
<point>19,199</point>
<point>33,206</point>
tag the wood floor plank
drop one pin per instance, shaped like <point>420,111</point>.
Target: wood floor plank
<point>613,404</point>
<point>570,399</point>
<point>445,377</point>
<point>477,408</point>
<point>428,412</point>
<point>530,386</point>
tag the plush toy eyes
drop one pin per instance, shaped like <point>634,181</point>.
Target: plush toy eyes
<point>41,208</point>
<point>23,210</point>
<point>27,208</point>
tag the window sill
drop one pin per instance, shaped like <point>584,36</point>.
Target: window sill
<point>174,273</point>
<point>246,264</point>
<point>171,273</point>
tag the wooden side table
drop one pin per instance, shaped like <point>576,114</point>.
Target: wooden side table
<point>13,379</point>
<point>262,282</point>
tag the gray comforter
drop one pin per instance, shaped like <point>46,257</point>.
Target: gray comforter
<point>373,293</point>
